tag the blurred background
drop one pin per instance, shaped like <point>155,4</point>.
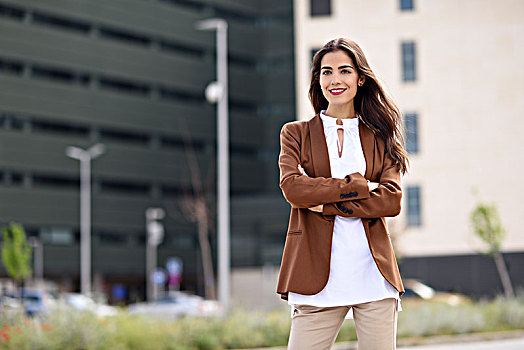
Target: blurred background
<point>130,76</point>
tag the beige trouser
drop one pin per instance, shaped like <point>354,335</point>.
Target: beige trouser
<point>316,328</point>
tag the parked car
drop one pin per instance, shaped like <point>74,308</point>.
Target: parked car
<point>85,303</point>
<point>9,305</point>
<point>415,289</point>
<point>176,304</point>
<point>35,301</point>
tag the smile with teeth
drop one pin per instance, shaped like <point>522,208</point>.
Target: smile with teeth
<point>337,91</point>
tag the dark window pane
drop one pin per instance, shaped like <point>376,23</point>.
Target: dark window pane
<point>125,86</point>
<point>61,23</point>
<point>313,52</point>
<point>9,178</point>
<point>123,136</point>
<point>53,127</point>
<point>55,181</point>
<point>414,203</point>
<point>243,106</point>
<point>124,36</point>
<point>320,7</point>
<point>125,187</point>
<point>11,11</point>
<point>10,121</point>
<point>411,127</point>
<point>112,238</point>
<point>408,61</point>
<point>406,5</point>
<point>60,75</point>
<point>193,5</point>
<point>10,66</point>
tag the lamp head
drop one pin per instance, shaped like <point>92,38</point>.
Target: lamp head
<point>211,24</point>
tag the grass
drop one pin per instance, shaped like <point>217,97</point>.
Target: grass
<point>68,329</point>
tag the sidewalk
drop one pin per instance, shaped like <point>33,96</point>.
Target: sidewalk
<point>438,342</point>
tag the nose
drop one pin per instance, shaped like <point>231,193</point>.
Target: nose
<point>335,79</point>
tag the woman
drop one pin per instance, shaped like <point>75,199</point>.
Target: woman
<point>340,171</point>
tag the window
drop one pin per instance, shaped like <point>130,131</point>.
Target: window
<point>411,127</point>
<point>10,66</point>
<point>8,178</point>
<point>124,187</point>
<point>320,7</point>
<point>57,235</point>
<point>10,11</point>
<point>112,238</point>
<point>124,36</point>
<point>60,75</point>
<point>414,203</point>
<point>125,86</point>
<point>313,52</point>
<point>108,135</point>
<point>10,121</point>
<point>408,61</point>
<point>55,127</point>
<point>61,23</point>
<point>55,181</point>
<point>406,5</point>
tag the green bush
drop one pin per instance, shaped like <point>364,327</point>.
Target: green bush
<point>69,329</point>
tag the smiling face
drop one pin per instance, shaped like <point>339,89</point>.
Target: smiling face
<point>339,80</point>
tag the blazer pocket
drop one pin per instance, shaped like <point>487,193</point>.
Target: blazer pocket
<point>294,232</point>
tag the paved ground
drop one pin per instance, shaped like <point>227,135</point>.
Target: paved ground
<point>504,344</point>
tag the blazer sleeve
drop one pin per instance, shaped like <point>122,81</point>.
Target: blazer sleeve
<point>302,191</point>
<point>383,201</point>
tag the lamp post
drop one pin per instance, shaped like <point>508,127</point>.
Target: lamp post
<point>155,235</point>
<point>218,92</point>
<point>85,157</point>
<point>38,260</point>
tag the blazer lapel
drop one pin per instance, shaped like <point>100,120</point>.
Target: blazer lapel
<point>367,140</point>
<point>319,150</point>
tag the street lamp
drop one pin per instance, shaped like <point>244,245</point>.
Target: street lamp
<point>218,92</point>
<point>155,235</point>
<point>85,157</point>
<point>38,260</point>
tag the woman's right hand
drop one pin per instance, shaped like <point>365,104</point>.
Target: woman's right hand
<point>372,185</point>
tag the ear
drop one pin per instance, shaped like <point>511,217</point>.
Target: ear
<point>361,81</point>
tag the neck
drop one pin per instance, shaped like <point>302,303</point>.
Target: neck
<point>346,111</point>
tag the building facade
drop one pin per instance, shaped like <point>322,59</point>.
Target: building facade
<point>453,69</point>
<point>131,74</point>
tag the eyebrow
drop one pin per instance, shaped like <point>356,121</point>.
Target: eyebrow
<point>340,67</point>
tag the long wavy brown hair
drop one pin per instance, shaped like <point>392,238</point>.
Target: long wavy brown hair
<point>374,106</point>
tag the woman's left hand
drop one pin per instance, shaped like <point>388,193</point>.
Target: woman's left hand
<point>317,208</point>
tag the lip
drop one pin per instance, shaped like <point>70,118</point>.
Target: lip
<point>337,91</point>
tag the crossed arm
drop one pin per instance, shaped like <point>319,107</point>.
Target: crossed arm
<point>320,207</point>
<point>325,195</point>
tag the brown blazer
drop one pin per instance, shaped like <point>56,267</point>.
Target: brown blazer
<point>307,252</point>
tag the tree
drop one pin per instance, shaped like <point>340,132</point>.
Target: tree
<point>488,227</point>
<point>16,252</point>
<point>196,207</point>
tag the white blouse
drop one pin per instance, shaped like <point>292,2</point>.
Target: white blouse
<point>354,277</point>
